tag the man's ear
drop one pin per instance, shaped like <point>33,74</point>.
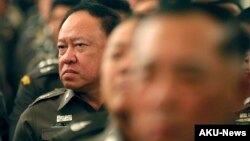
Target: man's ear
<point>247,101</point>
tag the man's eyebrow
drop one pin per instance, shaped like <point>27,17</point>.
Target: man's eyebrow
<point>191,67</point>
<point>60,40</point>
<point>76,38</point>
<point>120,45</point>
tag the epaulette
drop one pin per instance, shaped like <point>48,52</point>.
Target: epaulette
<point>51,69</point>
<point>48,95</point>
<point>26,80</point>
<point>48,66</point>
<point>48,62</point>
<point>38,73</point>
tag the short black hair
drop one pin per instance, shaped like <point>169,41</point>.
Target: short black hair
<point>70,3</point>
<point>109,18</point>
<point>236,42</point>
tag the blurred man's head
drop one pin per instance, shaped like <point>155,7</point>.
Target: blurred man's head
<point>187,72</point>
<point>81,41</point>
<point>58,10</point>
<point>116,67</point>
<point>44,9</point>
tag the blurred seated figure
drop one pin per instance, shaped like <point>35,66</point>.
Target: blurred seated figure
<point>33,43</point>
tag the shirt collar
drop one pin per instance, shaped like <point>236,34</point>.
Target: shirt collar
<point>69,94</point>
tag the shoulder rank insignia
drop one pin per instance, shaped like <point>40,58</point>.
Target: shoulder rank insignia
<point>55,92</point>
<point>25,80</point>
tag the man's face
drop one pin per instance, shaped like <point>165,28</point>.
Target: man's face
<point>116,65</point>
<point>181,77</point>
<point>81,43</point>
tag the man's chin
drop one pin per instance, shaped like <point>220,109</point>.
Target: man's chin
<point>72,86</point>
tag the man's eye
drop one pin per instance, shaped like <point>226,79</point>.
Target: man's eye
<point>61,49</point>
<point>60,46</point>
<point>246,60</point>
<point>81,45</point>
<point>116,55</point>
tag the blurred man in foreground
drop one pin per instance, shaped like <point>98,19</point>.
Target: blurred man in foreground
<point>187,71</point>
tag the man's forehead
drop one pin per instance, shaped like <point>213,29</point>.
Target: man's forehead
<point>80,18</point>
<point>162,28</point>
<point>82,23</point>
<point>165,34</point>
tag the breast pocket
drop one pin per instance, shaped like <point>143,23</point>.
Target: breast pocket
<point>48,134</point>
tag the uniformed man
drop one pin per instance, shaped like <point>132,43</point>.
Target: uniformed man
<point>44,77</point>
<point>115,71</point>
<point>41,80</point>
<point>81,41</point>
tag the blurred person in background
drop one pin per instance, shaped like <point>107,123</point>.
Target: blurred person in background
<point>10,20</point>
<point>34,41</point>
<point>81,41</point>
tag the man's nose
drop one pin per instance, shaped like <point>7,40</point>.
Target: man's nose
<point>165,94</point>
<point>125,64</point>
<point>69,57</point>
